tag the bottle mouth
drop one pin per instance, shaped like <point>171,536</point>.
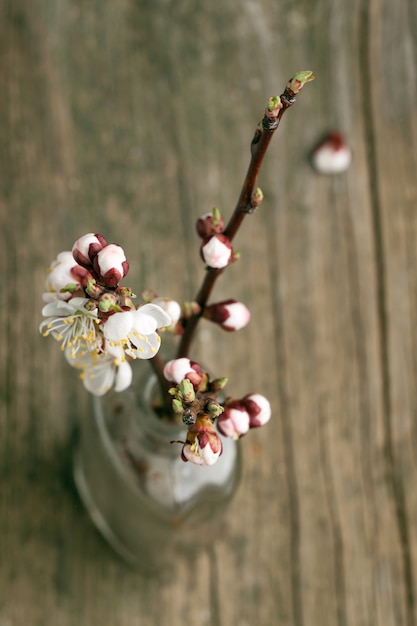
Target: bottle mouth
<point>130,416</point>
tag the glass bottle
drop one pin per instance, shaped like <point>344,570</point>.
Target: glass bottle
<point>148,503</point>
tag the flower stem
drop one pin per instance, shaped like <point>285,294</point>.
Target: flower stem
<point>259,146</point>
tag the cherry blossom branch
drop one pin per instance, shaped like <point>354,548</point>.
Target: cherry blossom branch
<point>249,197</point>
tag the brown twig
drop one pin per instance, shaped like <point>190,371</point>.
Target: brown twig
<point>259,146</point>
<point>246,205</point>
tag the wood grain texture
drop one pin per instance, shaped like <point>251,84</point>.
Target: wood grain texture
<point>132,118</point>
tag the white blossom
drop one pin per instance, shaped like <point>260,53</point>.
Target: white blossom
<point>71,324</point>
<point>135,330</point>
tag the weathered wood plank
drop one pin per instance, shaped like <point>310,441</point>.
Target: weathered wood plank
<point>132,119</point>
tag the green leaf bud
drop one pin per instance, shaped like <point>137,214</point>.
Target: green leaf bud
<point>273,107</point>
<point>187,391</point>
<point>297,82</point>
<point>177,406</point>
<point>219,383</point>
<point>213,408</point>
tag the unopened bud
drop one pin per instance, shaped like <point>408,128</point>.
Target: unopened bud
<point>210,224</point>
<point>176,370</point>
<point>235,421</point>
<point>258,408</point>
<point>177,406</point>
<point>92,289</point>
<point>230,315</point>
<point>257,197</point>
<point>91,305</point>
<point>190,308</point>
<point>107,302</point>
<point>187,391</point>
<point>217,251</point>
<point>125,292</point>
<point>171,308</point>
<point>332,155</point>
<point>111,265</point>
<point>218,384</point>
<point>86,247</point>
<point>213,408</point>
<point>297,82</point>
<point>273,107</point>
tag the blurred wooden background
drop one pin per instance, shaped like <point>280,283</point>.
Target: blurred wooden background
<point>131,118</point>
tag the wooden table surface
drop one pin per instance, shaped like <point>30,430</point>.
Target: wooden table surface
<point>131,119</point>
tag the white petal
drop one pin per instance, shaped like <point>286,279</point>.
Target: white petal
<point>118,326</point>
<point>78,303</point>
<point>50,296</point>
<point>123,376</point>
<point>171,308</point>
<point>100,379</point>
<point>191,455</point>
<point>146,346</point>
<point>116,351</point>
<point>208,456</point>
<point>150,317</point>
<point>59,308</point>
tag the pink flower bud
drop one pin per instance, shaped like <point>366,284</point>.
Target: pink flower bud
<point>111,265</point>
<point>203,448</point>
<point>217,251</point>
<point>229,314</point>
<point>332,155</point>
<point>176,370</point>
<point>258,408</point>
<point>86,247</point>
<point>210,224</point>
<point>234,421</point>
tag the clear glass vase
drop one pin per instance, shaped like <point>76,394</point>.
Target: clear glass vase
<point>149,505</point>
